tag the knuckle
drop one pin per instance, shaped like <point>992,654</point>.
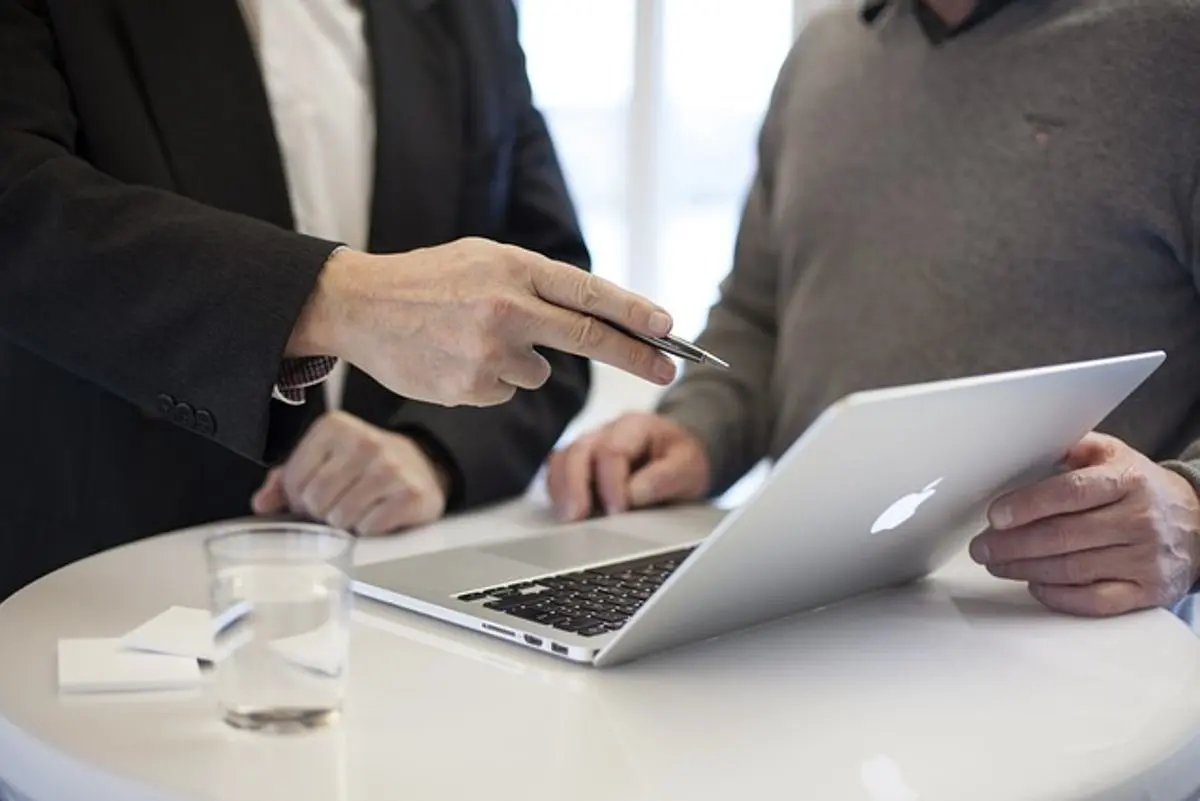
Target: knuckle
<point>1076,485</point>
<point>473,246</point>
<point>588,296</point>
<point>634,309</point>
<point>367,447</point>
<point>1132,480</point>
<point>587,332</point>
<point>639,357</point>
<point>607,450</point>
<point>400,493</point>
<point>382,473</point>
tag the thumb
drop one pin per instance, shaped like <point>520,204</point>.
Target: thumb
<point>270,498</point>
<point>1094,449</point>
<point>668,478</point>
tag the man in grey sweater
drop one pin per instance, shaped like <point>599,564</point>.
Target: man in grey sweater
<point>947,188</point>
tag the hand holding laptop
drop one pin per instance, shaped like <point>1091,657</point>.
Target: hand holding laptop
<point>1113,533</point>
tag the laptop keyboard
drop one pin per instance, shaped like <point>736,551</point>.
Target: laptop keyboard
<point>585,602</point>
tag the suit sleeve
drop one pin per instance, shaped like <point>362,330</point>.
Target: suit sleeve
<point>730,411</point>
<point>494,453</point>
<point>160,300</point>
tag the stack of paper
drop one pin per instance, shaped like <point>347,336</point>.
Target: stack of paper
<point>162,654</point>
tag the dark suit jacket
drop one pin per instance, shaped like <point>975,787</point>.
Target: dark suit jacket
<point>149,276</point>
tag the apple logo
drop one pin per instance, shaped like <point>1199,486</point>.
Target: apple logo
<point>899,512</point>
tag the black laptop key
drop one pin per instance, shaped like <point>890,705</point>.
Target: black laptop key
<point>595,609</point>
<point>526,613</point>
<point>507,602</point>
<point>578,624</point>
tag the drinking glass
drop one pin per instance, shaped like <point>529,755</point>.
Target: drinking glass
<point>280,596</point>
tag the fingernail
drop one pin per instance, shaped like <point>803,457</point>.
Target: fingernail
<point>664,370</point>
<point>979,552</point>
<point>1000,516</point>
<point>660,323</point>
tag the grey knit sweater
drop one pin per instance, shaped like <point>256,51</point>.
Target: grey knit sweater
<point>1020,195</point>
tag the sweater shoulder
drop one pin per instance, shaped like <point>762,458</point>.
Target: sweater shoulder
<point>1171,23</point>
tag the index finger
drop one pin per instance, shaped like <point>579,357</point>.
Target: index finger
<point>1068,493</point>
<point>588,336</point>
<point>579,290</point>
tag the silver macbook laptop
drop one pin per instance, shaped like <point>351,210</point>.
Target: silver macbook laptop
<point>881,490</point>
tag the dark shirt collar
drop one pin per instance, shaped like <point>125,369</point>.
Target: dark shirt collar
<point>935,28</point>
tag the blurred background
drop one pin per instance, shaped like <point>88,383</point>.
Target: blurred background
<point>655,107</point>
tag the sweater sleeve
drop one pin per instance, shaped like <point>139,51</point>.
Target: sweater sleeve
<point>730,410</point>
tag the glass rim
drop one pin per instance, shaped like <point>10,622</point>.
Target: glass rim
<point>227,532</point>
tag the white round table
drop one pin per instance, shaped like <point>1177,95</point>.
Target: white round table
<point>959,688</point>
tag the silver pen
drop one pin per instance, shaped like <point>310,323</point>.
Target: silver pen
<point>676,346</point>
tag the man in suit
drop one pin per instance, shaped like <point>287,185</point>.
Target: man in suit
<point>949,188</point>
<point>190,194</point>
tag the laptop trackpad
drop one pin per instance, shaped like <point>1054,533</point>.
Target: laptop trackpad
<point>572,549</point>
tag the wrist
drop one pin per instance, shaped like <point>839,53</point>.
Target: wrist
<point>441,461</point>
<point>1187,478</point>
<point>320,328</point>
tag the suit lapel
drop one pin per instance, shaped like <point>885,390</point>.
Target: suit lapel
<point>419,98</point>
<point>207,97</point>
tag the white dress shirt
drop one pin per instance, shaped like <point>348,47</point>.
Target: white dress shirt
<point>317,71</point>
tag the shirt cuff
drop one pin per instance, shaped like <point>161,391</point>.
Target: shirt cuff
<point>297,375</point>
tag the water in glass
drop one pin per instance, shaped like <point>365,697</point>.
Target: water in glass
<point>281,598</point>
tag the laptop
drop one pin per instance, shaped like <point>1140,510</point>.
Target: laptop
<point>883,488</point>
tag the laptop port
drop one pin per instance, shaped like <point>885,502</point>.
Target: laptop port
<point>536,642</point>
<point>558,649</point>
<point>498,630</point>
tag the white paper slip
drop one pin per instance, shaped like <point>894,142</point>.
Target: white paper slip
<point>179,631</point>
<point>322,650</point>
<point>103,665</point>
